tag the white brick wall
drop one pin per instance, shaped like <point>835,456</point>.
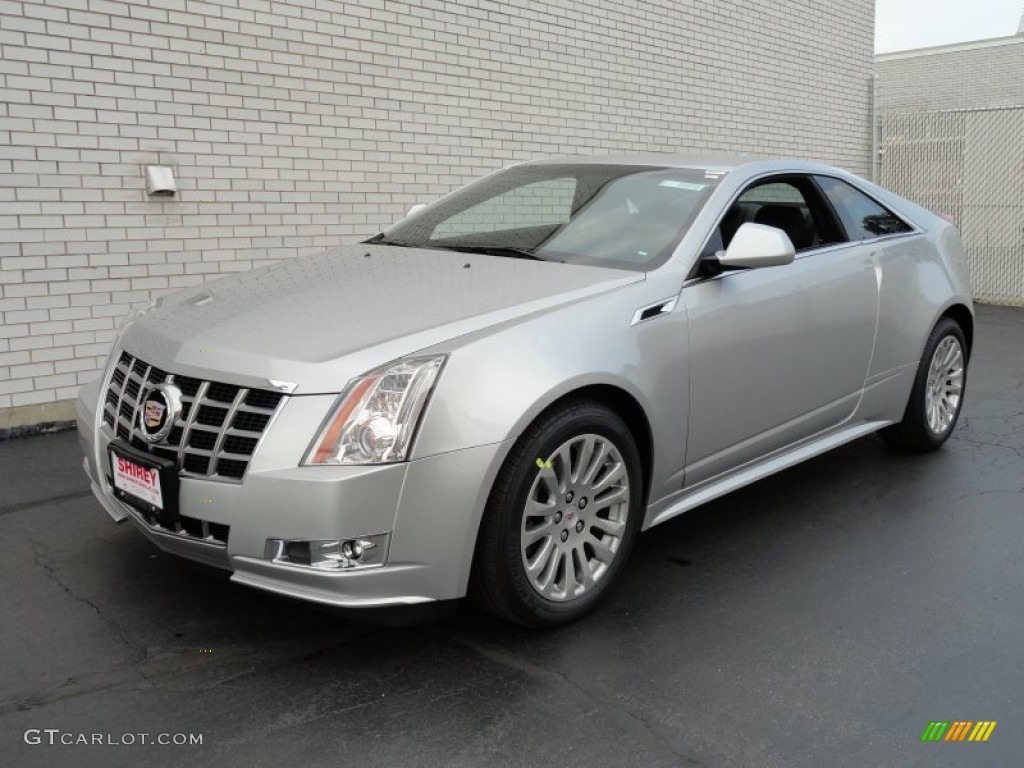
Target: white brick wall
<point>294,124</point>
<point>989,73</point>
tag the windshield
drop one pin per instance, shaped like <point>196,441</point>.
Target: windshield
<point>630,217</point>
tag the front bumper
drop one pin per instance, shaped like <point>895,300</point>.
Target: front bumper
<point>430,507</point>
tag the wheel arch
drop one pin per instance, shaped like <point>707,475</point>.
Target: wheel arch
<point>962,316</point>
<point>616,399</point>
<point>627,408</point>
<point>619,400</point>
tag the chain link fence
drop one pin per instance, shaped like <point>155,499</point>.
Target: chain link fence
<point>969,166</point>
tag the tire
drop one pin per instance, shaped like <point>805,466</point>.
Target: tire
<point>941,378</point>
<point>532,569</point>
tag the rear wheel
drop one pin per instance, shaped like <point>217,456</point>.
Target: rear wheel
<point>561,518</point>
<point>938,392</point>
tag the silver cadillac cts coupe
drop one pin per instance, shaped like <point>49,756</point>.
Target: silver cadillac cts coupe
<point>496,394</point>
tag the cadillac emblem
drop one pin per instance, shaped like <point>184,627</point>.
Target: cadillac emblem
<point>160,408</point>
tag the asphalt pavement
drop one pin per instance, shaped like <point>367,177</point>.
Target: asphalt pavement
<point>821,617</point>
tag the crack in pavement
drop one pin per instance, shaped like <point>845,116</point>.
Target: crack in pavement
<point>138,679</point>
<point>22,506</point>
<point>38,559</point>
<point>55,693</point>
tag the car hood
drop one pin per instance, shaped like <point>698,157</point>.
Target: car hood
<point>318,321</point>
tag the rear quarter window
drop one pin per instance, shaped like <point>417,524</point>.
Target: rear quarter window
<point>863,218</point>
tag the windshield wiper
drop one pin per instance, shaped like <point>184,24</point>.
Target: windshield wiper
<point>380,239</point>
<point>494,250</point>
<point>489,250</point>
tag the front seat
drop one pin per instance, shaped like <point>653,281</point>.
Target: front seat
<point>789,220</point>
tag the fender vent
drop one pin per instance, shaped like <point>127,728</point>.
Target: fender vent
<point>663,307</point>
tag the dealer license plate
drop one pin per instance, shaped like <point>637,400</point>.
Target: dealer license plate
<point>139,481</point>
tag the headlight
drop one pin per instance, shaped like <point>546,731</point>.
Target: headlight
<point>376,416</point>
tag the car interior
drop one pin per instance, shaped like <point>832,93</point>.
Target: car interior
<point>793,205</point>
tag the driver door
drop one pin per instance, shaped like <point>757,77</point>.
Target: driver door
<point>777,354</point>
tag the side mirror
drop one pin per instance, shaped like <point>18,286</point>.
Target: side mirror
<point>757,245</point>
<point>415,209</point>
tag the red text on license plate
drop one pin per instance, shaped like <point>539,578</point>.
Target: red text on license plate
<point>141,482</point>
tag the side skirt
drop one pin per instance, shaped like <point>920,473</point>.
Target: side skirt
<point>714,487</point>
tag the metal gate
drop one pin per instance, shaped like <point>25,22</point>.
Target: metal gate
<point>968,165</point>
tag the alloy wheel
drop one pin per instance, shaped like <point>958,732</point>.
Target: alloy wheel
<point>575,517</point>
<point>944,386</point>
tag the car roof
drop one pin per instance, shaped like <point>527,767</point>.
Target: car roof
<point>709,162</point>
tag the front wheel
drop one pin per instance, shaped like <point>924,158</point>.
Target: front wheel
<point>938,393</point>
<point>561,519</point>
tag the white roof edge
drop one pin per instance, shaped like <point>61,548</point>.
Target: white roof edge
<point>992,42</point>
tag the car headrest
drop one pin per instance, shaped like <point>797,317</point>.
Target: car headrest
<point>789,220</point>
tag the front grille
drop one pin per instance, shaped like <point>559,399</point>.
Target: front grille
<point>215,533</point>
<point>192,528</point>
<point>218,429</point>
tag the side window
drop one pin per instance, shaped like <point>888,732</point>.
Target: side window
<point>863,218</point>
<point>792,204</point>
<point>543,204</point>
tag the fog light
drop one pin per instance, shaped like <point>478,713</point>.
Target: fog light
<point>329,554</point>
<point>353,550</point>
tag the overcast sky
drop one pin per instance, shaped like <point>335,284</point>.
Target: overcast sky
<point>903,24</point>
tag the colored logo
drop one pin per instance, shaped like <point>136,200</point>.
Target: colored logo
<point>161,407</point>
<point>154,414</point>
<point>958,730</point>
